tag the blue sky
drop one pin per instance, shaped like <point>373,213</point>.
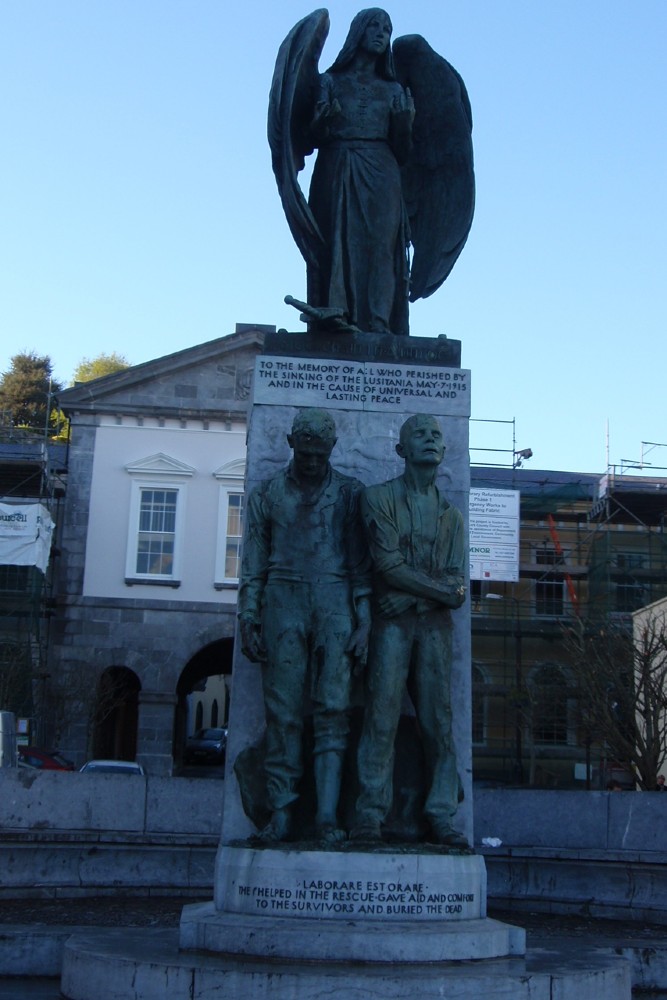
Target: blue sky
<point>139,213</point>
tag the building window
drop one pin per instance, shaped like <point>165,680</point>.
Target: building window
<point>154,542</point>
<point>214,713</point>
<point>549,698</point>
<point>549,587</point>
<point>230,525</point>
<point>234,535</point>
<point>14,579</point>
<point>630,592</point>
<point>199,716</point>
<point>630,596</point>
<point>157,533</point>
<point>157,510</point>
<point>630,560</point>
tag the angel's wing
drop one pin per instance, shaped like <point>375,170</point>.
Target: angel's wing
<point>291,103</point>
<point>438,180</point>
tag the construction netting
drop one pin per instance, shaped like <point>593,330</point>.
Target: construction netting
<point>25,534</point>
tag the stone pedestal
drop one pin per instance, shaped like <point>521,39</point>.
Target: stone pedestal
<point>382,886</point>
<point>349,906</point>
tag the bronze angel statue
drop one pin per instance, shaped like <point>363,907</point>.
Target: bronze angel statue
<point>393,178</point>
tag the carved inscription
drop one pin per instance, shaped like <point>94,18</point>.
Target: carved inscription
<point>335,384</point>
<point>356,897</point>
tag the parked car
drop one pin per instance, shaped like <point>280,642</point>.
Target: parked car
<point>44,759</point>
<point>207,746</point>
<point>112,767</point>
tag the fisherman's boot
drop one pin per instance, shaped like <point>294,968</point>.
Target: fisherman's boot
<point>328,767</point>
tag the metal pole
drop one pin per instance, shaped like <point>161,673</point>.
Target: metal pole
<point>518,679</point>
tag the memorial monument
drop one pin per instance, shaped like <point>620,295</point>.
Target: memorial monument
<point>344,862</point>
<point>325,862</point>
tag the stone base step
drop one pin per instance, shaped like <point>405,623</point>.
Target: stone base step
<point>146,965</point>
<point>203,928</point>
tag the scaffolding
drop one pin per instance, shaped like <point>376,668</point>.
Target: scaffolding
<point>628,544</point>
<point>32,485</point>
<point>590,547</point>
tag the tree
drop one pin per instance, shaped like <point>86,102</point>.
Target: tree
<point>26,392</point>
<point>104,364</point>
<point>81,699</point>
<point>623,690</point>
<point>67,701</point>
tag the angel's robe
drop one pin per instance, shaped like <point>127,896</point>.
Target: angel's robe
<point>357,201</point>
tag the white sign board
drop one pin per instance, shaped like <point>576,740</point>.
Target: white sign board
<point>494,534</point>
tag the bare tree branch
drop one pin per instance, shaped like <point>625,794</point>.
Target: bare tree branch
<point>623,690</point>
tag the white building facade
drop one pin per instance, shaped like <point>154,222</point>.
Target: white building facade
<point>151,541</point>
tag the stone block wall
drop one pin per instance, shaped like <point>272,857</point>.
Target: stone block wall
<point>601,854</point>
<point>154,639</point>
<point>64,801</point>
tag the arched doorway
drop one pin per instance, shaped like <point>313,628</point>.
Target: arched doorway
<point>116,715</point>
<point>203,693</point>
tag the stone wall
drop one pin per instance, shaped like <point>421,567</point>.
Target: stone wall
<point>602,821</point>
<point>595,853</point>
<point>66,834</point>
<point>601,854</point>
<point>155,639</point>
<point>32,800</point>
<point>631,822</point>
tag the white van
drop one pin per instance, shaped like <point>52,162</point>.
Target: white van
<point>8,749</point>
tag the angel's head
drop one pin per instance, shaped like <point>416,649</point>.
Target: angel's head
<point>371,31</point>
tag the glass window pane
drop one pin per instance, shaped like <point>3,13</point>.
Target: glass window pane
<point>234,534</point>
<point>157,526</point>
<point>232,553</point>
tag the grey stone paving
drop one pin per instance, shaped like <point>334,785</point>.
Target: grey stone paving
<point>30,989</point>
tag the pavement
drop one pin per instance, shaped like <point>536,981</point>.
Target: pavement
<point>643,943</point>
<point>30,989</point>
<point>59,914</point>
<point>96,911</point>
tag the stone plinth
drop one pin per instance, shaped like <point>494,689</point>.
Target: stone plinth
<point>303,939</point>
<point>375,887</point>
<point>348,906</point>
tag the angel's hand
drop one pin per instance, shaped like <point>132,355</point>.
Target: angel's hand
<point>404,105</point>
<point>325,112</point>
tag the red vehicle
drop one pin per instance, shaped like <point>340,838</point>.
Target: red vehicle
<point>43,759</point>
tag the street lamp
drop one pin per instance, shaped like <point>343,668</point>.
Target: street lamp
<point>519,457</point>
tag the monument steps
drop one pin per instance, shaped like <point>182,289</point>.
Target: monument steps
<point>203,928</point>
<point>108,965</point>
